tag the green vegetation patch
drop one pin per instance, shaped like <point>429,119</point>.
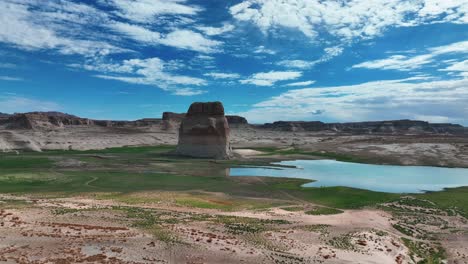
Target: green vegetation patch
<point>453,200</point>
<point>24,162</point>
<point>244,225</point>
<point>424,253</point>
<point>343,241</point>
<point>293,208</point>
<point>324,211</point>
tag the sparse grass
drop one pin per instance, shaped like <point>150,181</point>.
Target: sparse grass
<point>322,229</point>
<point>63,211</point>
<point>424,253</point>
<point>244,225</point>
<point>342,242</point>
<point>152,222</point>
<point>324,211</point>
<point>260,241</point>
<point>198,203</point>
<point>451,200</point>
<point>293,208</point>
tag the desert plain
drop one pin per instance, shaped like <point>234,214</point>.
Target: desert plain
<point>107,194</point>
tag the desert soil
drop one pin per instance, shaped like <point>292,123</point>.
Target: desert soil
<point>85,230</point>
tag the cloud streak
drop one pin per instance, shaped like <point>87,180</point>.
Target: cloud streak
<point>270,78</point>
<point>391,99</point>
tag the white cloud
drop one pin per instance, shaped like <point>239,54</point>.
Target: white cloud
<point>180,38</point>
<point>187,39</point>
<point>389,99</point>
<point>457,47</point>
<point>329,53</point>
<point>136,32</point>
<point>214,31</point>
<point>151,71</point>
<point>333,51</point>
<point>354,19</point>
<point>147,11</point>
<point>397,62</point>
<point>460,68</point>
<point>262,49</point>
<point>220,75</point>
<point>306,83</point>
<point>270,78</point>
<point>24,25</point>
<point>188,92</point>
<point>18,104</point>
<point>407,63</point>
<point>298,64</point>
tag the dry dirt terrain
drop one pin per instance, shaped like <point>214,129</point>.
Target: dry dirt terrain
<point>83,230</point>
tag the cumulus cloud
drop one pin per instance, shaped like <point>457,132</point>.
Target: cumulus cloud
<point>187,39</point>
<point>389,99</point>
<point>355,19</point>
<point>270,78</point>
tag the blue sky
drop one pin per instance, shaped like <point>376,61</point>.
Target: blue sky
<point>328,60</point>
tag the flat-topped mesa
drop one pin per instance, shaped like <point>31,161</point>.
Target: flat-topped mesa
<point>204,132</point>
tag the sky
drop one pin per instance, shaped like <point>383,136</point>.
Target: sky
<point>266,60</point>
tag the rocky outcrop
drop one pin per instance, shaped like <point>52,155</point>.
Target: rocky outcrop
<point>172,120</point>
<point>204,132</point>
<point>12,141</point>
<point>236,120</point>
<point>374,127</point>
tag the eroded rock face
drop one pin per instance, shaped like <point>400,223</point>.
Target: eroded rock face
<point>204,132</point>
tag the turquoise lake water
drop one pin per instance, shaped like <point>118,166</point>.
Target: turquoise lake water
<point>383,178</point>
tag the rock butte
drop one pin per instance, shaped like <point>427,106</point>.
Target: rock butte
<point>204,132</point>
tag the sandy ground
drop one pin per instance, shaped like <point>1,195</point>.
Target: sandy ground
<point>34,234</point>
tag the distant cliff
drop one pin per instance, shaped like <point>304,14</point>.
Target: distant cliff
<point>372,127</point>
<point>51,120</point>
<point>171,121</point>
<point>38,120</point>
